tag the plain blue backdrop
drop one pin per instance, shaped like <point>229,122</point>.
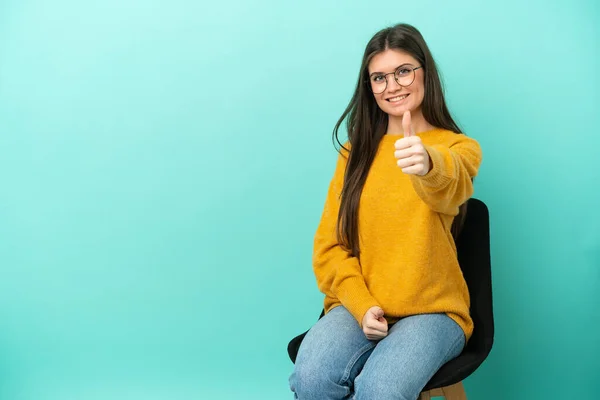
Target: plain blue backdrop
<point>164,165</point>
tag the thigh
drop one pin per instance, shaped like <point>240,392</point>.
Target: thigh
<point>404,361</point>
<point>335,348</point>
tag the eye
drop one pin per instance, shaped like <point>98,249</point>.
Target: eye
<point>377,78</point>
<point>404,71</point>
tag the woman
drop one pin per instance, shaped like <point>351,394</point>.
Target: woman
<point>396,303</point>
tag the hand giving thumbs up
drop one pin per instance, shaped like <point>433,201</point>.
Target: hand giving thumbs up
<point>410,153</point>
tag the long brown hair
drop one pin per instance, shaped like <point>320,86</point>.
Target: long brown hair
<point>367,124</point>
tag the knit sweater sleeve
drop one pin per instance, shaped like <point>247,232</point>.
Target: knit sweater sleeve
<point>338,273</point>
<point>449,183</point>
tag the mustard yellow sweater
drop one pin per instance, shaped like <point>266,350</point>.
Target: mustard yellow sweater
<point>408,263</point>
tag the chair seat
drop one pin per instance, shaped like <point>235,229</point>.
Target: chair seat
<point>455,370</point>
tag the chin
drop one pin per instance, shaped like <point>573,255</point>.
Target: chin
<point>397,111</point>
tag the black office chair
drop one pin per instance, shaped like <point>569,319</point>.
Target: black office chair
<point>473,247</point>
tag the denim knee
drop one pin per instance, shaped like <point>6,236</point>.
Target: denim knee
<point>372,387</point>
<point>309,382</point>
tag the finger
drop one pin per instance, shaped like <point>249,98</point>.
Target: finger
<point>405,153</point>
<point>371,335</point>
<point>407,142</point>
<point>382,331</point>
<point>417,159</point>
<point>413,170</point>
<point>375,338</point>
<point>410,152</point>
<point>384,324</point>
<point>378,325</point>
<point>376,312</point>
<point>380,335</point>
<point>404,163</point>
<point>406,125</point>
<point>374,331</point>
<point>403,143</point>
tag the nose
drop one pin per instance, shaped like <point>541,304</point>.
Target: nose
<point>392,85</point>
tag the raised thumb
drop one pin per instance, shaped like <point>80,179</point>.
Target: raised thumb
<point>406,124</point>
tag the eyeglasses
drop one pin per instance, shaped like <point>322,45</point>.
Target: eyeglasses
<point>404,76</point>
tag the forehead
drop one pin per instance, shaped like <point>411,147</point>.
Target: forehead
<point>389,60</point>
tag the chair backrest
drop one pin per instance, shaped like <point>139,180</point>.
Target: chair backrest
<point>473,245</point>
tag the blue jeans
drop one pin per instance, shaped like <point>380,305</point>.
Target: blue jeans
<point>336,361</point>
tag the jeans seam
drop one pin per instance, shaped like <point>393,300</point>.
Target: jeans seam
<point>353,361</point>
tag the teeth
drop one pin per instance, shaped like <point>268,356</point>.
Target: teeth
<point>398,98</point>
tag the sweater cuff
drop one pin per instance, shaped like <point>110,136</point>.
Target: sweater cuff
<point>436,177</point>
<point>356,298</point>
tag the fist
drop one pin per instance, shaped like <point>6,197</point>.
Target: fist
<point>410,153</point>
<point>374,325</point>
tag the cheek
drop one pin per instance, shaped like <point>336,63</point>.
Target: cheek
<point>419,94</point>
<point>420,89</point>
<point>380,102</point>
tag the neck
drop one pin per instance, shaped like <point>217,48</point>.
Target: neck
<point>419,123</point>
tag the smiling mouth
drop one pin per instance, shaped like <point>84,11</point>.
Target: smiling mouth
<point>398,98</point>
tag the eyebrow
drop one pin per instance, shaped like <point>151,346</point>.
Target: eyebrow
<point>401,65</point>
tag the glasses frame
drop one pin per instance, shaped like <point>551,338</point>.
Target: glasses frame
<point>413,69</point>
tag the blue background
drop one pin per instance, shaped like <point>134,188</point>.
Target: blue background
<point>164,165</point>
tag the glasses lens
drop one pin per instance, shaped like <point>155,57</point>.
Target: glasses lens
<point>378,83</point>
<point>404,76</point>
